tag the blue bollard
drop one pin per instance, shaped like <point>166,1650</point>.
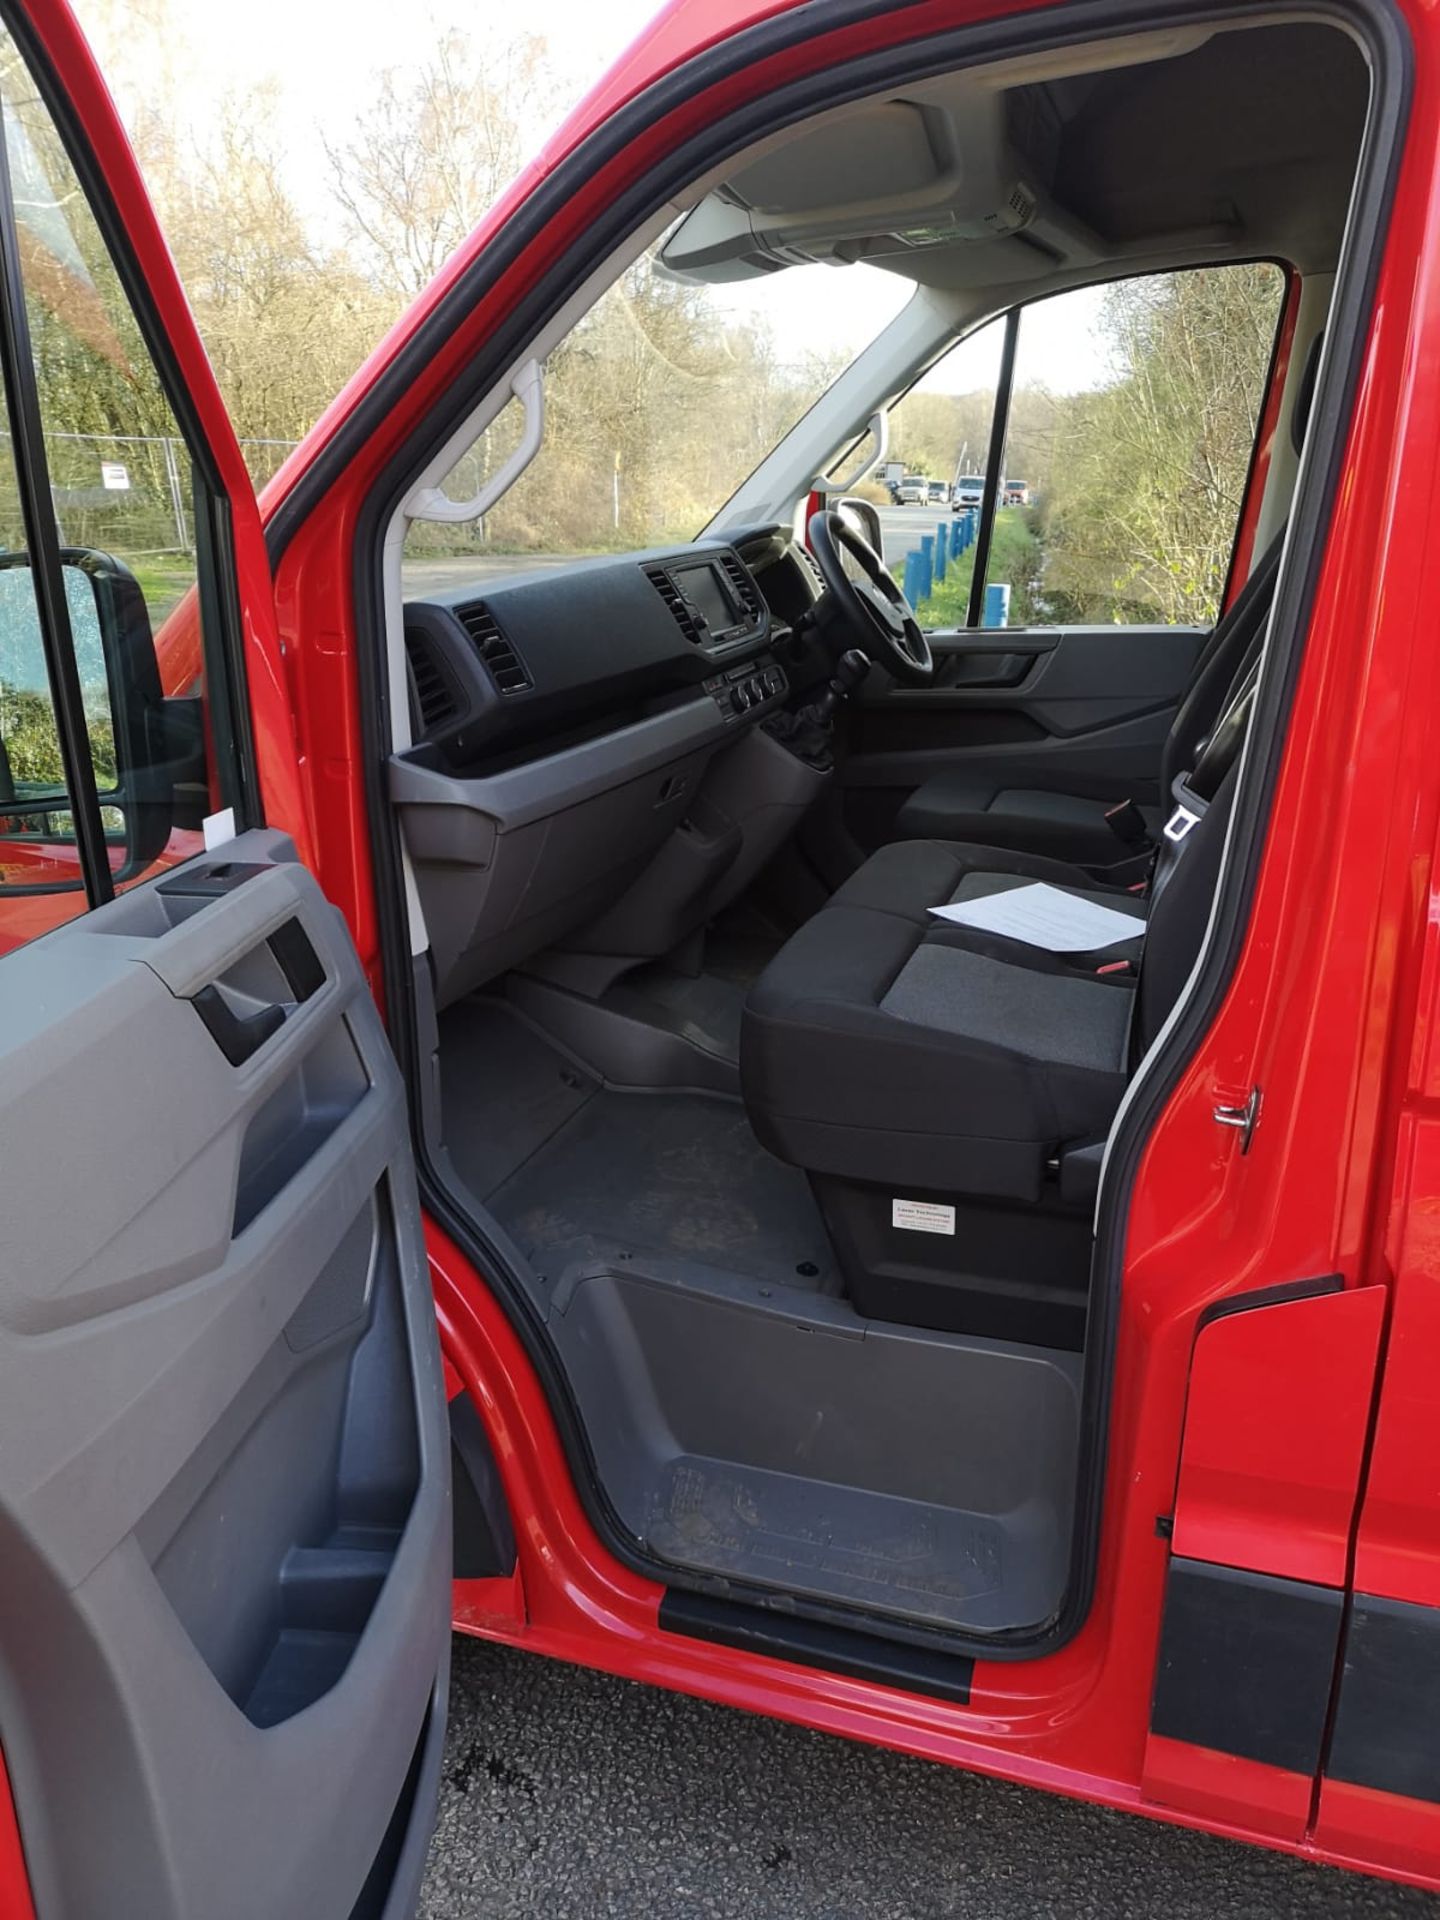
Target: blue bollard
<point>927,565</point>
<point>942,553</point>
<point>972,532</point>
<point>997,605</point>
<point>913,561</point>
<point>956,543</point>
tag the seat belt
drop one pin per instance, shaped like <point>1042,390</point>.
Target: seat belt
<point>1127,823</point>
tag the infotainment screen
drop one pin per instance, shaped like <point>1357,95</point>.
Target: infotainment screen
<point>706,589</point>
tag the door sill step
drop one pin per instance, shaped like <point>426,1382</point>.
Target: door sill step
<point>812,1643</point>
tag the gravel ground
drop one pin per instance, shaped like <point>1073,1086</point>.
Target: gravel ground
<point>573,1795</point>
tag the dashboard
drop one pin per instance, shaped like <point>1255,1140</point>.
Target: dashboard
<point>549,659</point>
<point>592,766</point>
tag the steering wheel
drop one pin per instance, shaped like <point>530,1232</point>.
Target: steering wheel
<point>879,619</point>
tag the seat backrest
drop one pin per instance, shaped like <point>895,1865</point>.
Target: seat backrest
<point>1220,663</point>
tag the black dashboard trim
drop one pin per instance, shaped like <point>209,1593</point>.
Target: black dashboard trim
<point>596,638</point>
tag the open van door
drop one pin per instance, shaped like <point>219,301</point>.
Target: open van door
<point>224,1503</point>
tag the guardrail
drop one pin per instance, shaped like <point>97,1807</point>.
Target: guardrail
<point>927,565</point>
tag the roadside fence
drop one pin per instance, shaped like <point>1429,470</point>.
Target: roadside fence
<point>927,565</point>
<point>133,492</point>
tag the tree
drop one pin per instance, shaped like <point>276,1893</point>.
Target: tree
<point>1148,471</point>
<point>935,433</point>
<point>285,322</point>
<point>286,319</point>
<point>433,153</point>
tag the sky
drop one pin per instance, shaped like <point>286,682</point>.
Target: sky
<point>320,58</point>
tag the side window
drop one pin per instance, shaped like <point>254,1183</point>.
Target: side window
<point>1132,416</point>
<point>940,446</point>
<point>100,513</point>
<point>1131,431</point>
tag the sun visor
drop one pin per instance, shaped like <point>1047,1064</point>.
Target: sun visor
<point>882,179</point>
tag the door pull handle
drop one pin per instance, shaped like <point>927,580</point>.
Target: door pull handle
<point>238,1035</point>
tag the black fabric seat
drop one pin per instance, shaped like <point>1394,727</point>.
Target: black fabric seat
<point>1061,826</point>
<point>963,807</point>
<point>909,877</point>
<point>876,1050</point>
<point>884,1045</point>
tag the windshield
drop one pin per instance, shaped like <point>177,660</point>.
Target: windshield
<point>659,404</point>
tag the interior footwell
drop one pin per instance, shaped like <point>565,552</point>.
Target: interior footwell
<point>577,1172</point>
<point>664,1173</point>
<point>748,1426</point>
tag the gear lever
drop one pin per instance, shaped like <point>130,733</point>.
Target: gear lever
<point>809,733</point>
<point>850,669</point>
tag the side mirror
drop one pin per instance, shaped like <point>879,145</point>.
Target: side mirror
<point>865,518</point>
<point>146,750</point>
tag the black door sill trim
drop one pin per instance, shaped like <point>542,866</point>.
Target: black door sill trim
<point>808,1643</point>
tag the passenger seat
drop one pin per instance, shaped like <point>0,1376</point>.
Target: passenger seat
<point>949,1092</point>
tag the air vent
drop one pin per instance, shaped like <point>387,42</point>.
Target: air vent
<point>744,585</point>
<point>814,566</point>
<point>501,661</point>
<point>670,594</point>
<point>435,701</point>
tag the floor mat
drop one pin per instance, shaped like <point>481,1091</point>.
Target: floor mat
<point>936,1564</point>
<point>741,944</point>
<point>668,1173</point>
<point>706,1007</point>
<point>505,1091</point>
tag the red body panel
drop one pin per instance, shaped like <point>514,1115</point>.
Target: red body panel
<point>1356,1823</point>
<point>1396,1547</point>
<point>1275,1428</point>
<point>1276,1422</point>
<point>1221,1789</point>
<point>15,1901</point>
<point>1320,1013</point>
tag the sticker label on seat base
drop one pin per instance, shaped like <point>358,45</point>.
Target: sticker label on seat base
<point>922,1216</point>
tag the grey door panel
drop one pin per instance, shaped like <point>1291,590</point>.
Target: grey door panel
<point>1073,709</point>
<point>224,1520</point>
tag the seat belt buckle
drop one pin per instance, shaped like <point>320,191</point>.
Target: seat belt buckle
<point>1127,823</point>
<point>1181,822</point>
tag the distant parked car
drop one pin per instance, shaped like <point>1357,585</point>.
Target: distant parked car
<point>939,492</point>
<point>968,492</point>
<point>913,491</point>
<point>1017,493</point>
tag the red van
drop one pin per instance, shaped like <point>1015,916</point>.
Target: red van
<point>573,1071</point>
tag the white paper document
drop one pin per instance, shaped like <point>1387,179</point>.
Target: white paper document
<point>219,828</point>
<point>1044,916</point>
